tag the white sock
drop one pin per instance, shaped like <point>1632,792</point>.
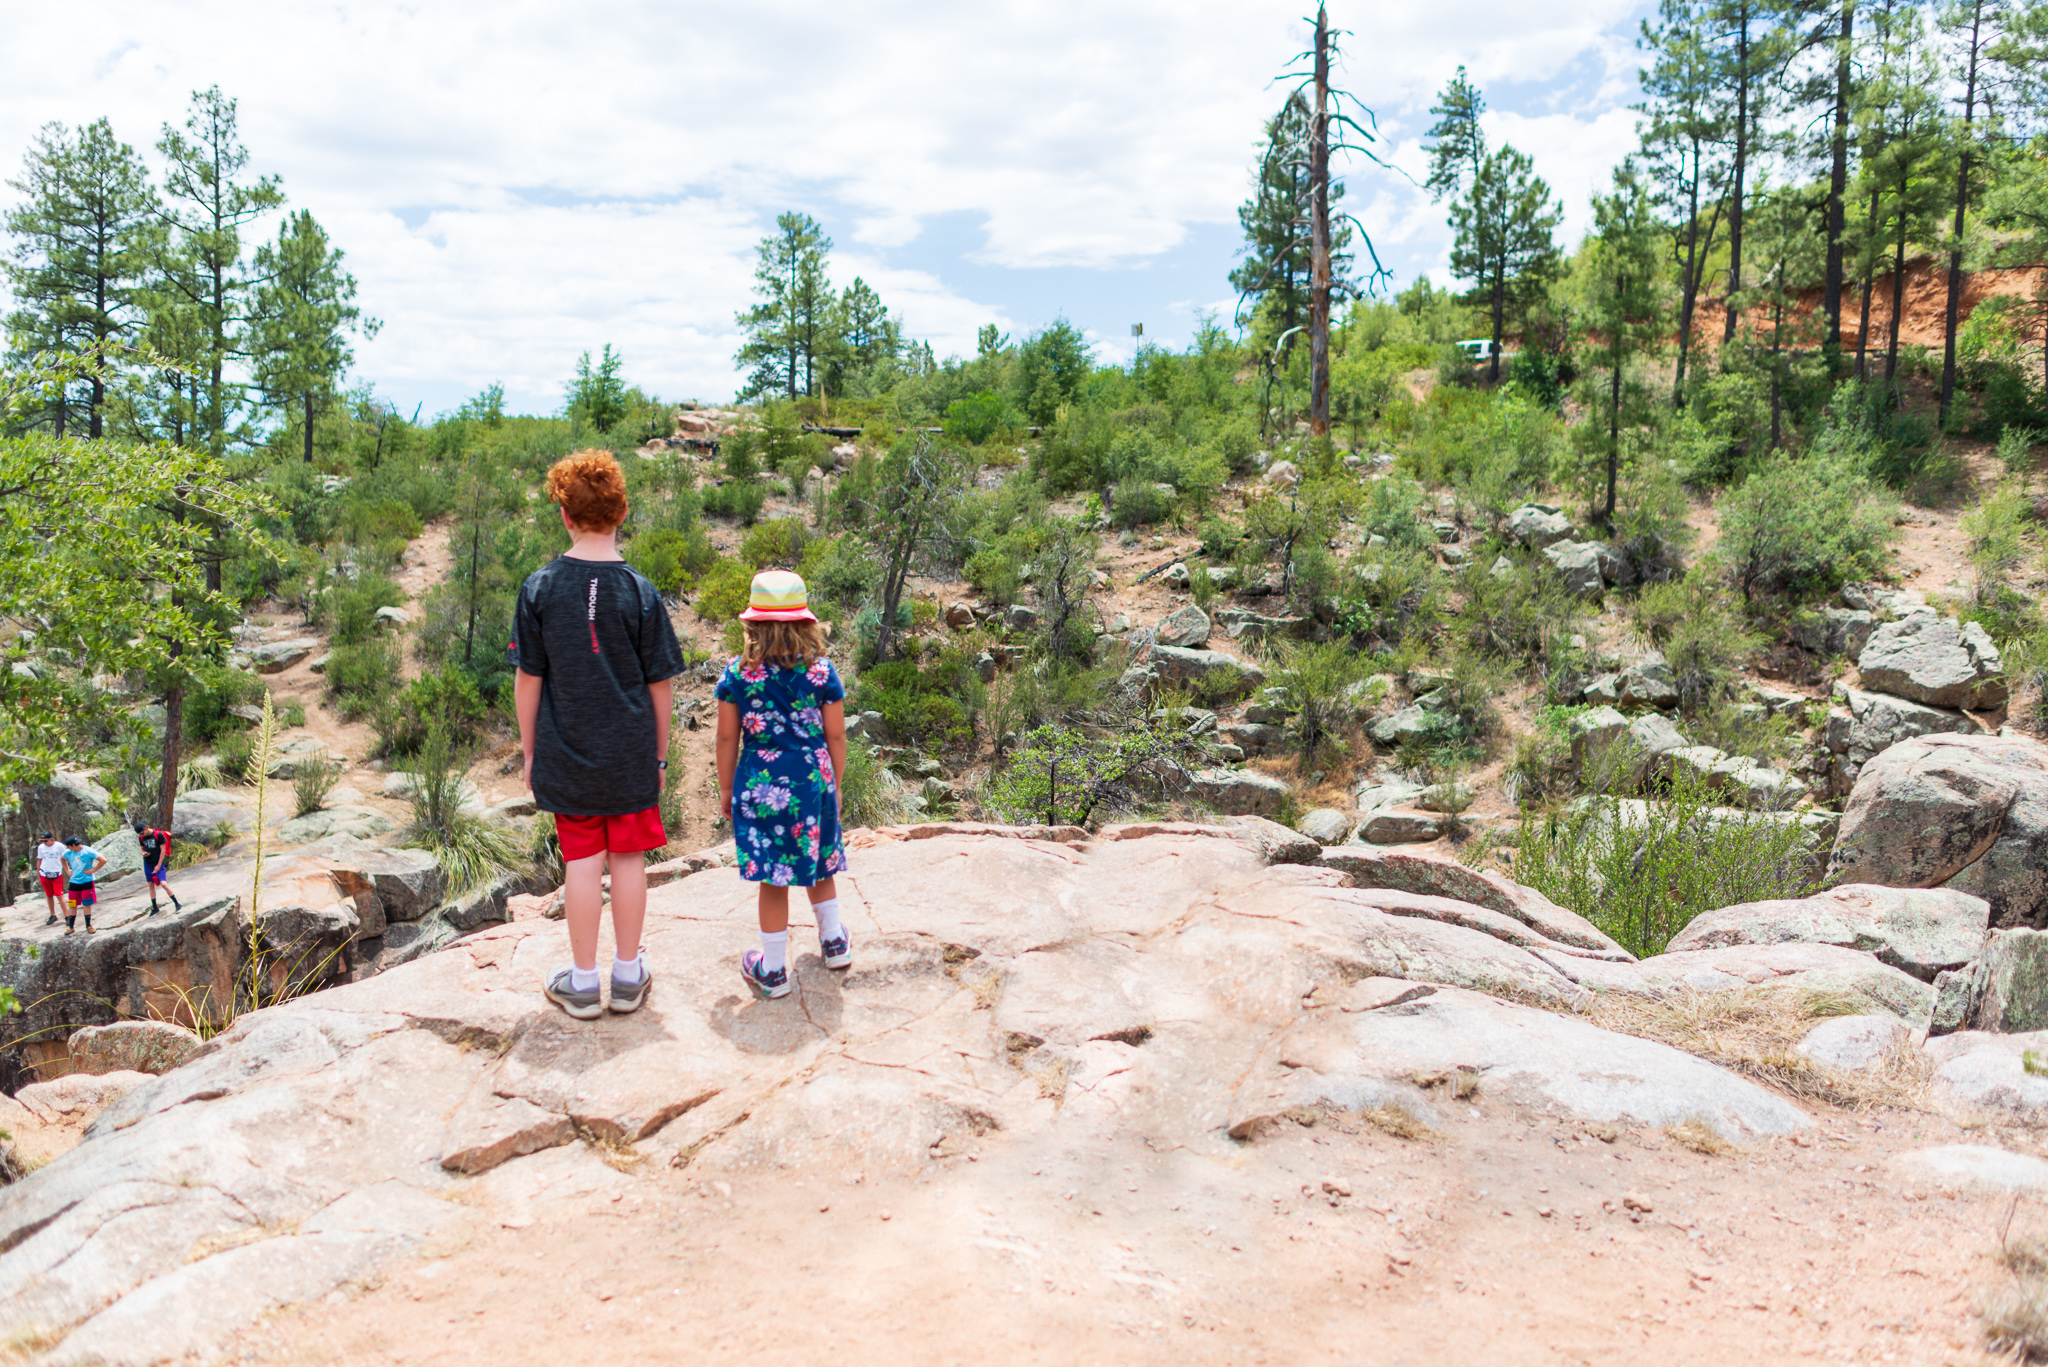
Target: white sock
<point>829,925</point>
<point>630,971</point>
<point>775,951</point>
<point>582,979</point>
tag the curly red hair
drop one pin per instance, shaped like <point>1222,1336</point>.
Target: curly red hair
<point>591,488</point>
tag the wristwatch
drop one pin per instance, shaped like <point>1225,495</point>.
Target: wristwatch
<point>661,764</point>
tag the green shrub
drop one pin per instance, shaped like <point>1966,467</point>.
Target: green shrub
<point>234,752</point>
<point>291,712</point>
<point>778,544</point>
<point>314,779</point>
<point>2001,543</point>
<point>1237,441</point>
<point>1319,685</point>
<point>1064,776</point>
<point>1704,637</point>
<point>739,499</point>
<point>1140,503</point>
<point>2016,449</point>
<point>979,418</point>
<point>364,522</point>
<point>1642,871</point>
<point>671,559</point>
<point>213,690</point>
<point>869,795</point>
<point>470,849</point>
<point>360,675</point>
<point>446,700</point>
<point>1800,529</point>
<point>351,606</point>
<point>839,571</point>
<point>995,575</point>
<point>723,591</point>
<point>931,707</point>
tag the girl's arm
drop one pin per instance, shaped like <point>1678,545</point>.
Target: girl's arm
<point>526,702</point>
<point>662,695</point>
<point>835,743</point>
<point>728,754</point>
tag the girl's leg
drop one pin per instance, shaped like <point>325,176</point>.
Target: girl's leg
<point>774,909</point>
<point>825,891</point>
<point>583,906</point>
<point>629,904</point>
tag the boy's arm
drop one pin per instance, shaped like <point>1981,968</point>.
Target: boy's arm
<point>728,754</point>
<point>662,693</point>
<point>526,702</point>
<point>835,743</point>
<point>99,862</point>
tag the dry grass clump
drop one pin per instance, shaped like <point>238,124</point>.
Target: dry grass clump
<point>2015,1318</point>
<point>1699,1136</point>
<point>1397,1121</point>
<point>1753,1032</point>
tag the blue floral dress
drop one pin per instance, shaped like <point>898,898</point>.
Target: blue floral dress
<point>785,815</point>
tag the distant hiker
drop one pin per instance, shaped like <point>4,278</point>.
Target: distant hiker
<point>81,862</point>
<point>595,656</point>
<point>156,864</point>
<point>781,749</point>
<point>50,873</point>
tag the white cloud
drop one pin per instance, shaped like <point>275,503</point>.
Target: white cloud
<point>595,172</point>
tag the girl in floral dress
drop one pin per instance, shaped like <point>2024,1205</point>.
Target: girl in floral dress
<point>781,748</point>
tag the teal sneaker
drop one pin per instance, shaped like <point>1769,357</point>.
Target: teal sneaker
<point>766,983</point>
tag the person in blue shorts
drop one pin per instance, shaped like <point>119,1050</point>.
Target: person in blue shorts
<point>156,864</point>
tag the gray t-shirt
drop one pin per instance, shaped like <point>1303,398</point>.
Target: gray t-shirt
<point>597,635</point>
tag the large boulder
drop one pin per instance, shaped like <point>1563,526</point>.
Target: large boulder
<point>1186,627</point>
<point>1433,875</point>
<point>1993,1071</point>
<point>2007,988</point>
<point>406,883</point>
<point>274,657</point>
<point>1867,724</point>
<point>1930,659</point>
<point>1835,631</point>
<point>1921,930</point>
<point>1212,676</point>
<point>1592,732</point>
<point>361,822</point>
<point>1395,826</point>
<point>1326,825</point>
<point>1235,792</point>
<point>1786,967</point>
<point>1538,525</point>
<point>144,1046</point>
<point>1962,812</point>
<point>1577,565</point>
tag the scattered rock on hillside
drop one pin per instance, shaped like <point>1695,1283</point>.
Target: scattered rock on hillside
<point>1965,812</point>
<point>1853,1044</point>
<point>1235,792</point>
<point>1212,676</point>
<point>1538,525</point>
<point>1648,683</point>
<point>1577,564</point>
<point>1980,1166</point>
<point>199,820</point>
<point>77,1097</point>
<point>361,822</point>
<point>1394,826</point>
<point>407,884</point>
<point>274,657</point>
<point>1434,875</point>
<point>141,1046</point>
<point>1282,474</point>
<point>1989,1069</point>
<point>1186,627</point>
<point>1921,930</point>
<point>1326,825</point>
<point>1791,967</point>
<point>2007,989</point>
<point>1835,631</point>
<point>1930,659</point>
<point>297,755</point>
<point>1592,733</point>
<point>1874,722</point>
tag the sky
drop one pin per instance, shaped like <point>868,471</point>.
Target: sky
<point>516,190</point>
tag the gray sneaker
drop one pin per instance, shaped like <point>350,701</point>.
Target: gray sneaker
<point>561,990</point>
<point>629,997</point>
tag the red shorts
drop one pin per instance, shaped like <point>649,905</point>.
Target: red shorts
<point>53,884</point>
<point>633,833</point>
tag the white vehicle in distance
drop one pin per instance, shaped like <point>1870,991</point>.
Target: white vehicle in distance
<point>1478,348</point>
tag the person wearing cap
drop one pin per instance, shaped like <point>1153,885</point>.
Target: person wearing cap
<point>156,864</point>
<point>781,749</point>
<point>81,862</point>
<point>596,657</point>
<point>50,873</point>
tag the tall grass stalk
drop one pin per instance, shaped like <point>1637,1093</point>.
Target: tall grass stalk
<point>471,850</point>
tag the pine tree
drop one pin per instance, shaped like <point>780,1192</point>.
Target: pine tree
<point>1681,155</point>
<point>205,208</point>
<point>788,332</point>
<point>861,337</point>
<point>303,312</point>
<point>1976,30</point>
<point>1750,45</point>
<point>1626,303</point>
<point>1275,273</point>
<point>81,233</point>
<point>1503,217</point>
<point>598,393</point>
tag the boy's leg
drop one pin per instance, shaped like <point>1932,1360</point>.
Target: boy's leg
<point>583,907</point>
<point>629,904</point>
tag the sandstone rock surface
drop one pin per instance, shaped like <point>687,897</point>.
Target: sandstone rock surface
<point>1155,981</point>
<point>1922,931</point>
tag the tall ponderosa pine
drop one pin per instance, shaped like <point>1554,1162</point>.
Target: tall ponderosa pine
<point>862,337</point>
<point>1790,257</point>
<point>1902,174</point>
<point>1682,155</point>
<point>304,310</point>
<point>598,393</point>
<point>206,207</point>
<point>1750,46</point>
<point>81,231</point>
<point>1975,30</point>
<point>1626,299</point>
<point>1276,222</point>
<point>1503,217</point>
<point>1826,80</point>
<point>789,330</point>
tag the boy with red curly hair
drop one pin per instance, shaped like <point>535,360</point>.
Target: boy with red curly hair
<point>596,655</point>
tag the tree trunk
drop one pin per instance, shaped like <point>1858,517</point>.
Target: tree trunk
<point>1891,354</point>
<point>1614,417</point>
<point>1863,324</point>
<point>174,741</point>
<point>1741,166</point>
<point>1838,185</point>
<point>1689,288</point>
<point>1777,365</point>
<point>6,865</point>
<point>1955,251</point>
<point>1319,241</point>
<point>1500,290</point>
<point>309,426</point>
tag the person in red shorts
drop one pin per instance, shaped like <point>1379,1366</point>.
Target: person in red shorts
<point>596,655</point>
<point>50,873</point>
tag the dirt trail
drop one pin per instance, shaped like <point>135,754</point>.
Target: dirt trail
<point>1501,1242</point>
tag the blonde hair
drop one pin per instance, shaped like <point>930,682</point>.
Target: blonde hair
<point>591,488</point>
<point>788,644</point>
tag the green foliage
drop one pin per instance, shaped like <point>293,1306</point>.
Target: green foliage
<point>723,590</point>
<point>1705,638</point>
<point>738,499</point>
<point>1497,450</point>
<point>869,795</point>
<point>839,571</point>
<point>1321,687</point>
<point>1050,368</point>
<point>1799,529</point>
<point>1064,775</point>
<point>672,560</point>
<point>775,545</point>
<point>1139,503</point>
<point>234,752</point>
<point>213,690</point>
<point>446,701</point>
<point>932,707</point>
<point>470,849</point>
<point>598,393</point>
<point>2002,541</point>
<point>359,676</point>
<point>979,418</point>
<point>350,607</point>
<point>2017,448</point>
<point>1643,871</point>
<point>313,780</point>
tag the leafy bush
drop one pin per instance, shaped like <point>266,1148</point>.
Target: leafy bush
<point>470,849</point>
<point>1395,509</point>
<point>360,675</point>
<point>1800,529</point>
<point>979,417</point>
<point>314,779</point>
<point>2001,542</point>
<point>869,795</point>
<point>779,543</point>
<point>234,753</point>
<point>739,499</point>
<point>839,571</point>
<point>1062,775</point>
<point>446,700</point>
<point>1641,871</point>
<point>1140,503</point>
<point>213,690</point>
<point>2016,449</point>
<point>1705,639</point>
<point>351,606</point>
<point>995,575</point>
<point>931,707</point>
<point>723,591</point>
<point>1320,687</point>
<point>671,559</point>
